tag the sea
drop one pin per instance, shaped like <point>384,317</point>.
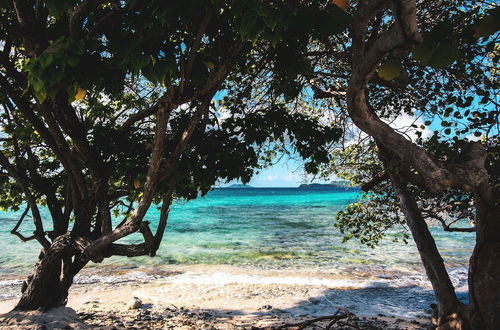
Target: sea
<point>268,229</point>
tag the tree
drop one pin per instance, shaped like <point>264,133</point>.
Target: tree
<point>436,61</point>
<point>107,109</point>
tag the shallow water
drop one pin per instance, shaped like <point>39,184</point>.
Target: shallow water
<point>265,228</point>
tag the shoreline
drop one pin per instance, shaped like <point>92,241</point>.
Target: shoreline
<point>221,297</point>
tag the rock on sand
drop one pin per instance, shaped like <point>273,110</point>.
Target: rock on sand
<point>54,318</point>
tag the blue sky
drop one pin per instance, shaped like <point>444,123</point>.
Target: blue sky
<point>285,173</point>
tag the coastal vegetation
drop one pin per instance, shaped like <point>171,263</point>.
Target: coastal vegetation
<point>110,108</point>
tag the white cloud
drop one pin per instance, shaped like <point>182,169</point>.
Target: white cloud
<point>472,137</point>
<point>403,125</point>
<point>291,177</point>
<point>270,177</point>
<point>223,113</point>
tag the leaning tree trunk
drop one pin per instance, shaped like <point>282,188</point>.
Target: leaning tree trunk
<point>53,275</point>
<point>484,270</point>
<point>451,313</point>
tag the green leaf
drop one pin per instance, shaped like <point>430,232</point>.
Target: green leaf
<point>45,60</point>
<point>390,70</point>
<point>488,24</point>
<point>422,53</point>
<point>73,61</point>
<point>247,24</point>
<point>57,8</point>
<point>444,55</point>
<point>271,21</point>
<point>40,95</point>
<point>332,20</point>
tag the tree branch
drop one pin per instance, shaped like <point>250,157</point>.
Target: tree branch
<point>77,17</point>
<point>429,253</point>
<point>186,71</point>
<point>29,28</point>
<point>149,240</point>
<point>18,177</point>
<point>401,37</point>
<point>447,226</point>
<point>15,231</point>
<point>164,212</point>
<point>138,116</point>
<point>56,142</point>
<point>133,224</point>
<point>132,250</point>
<point>169,168</point>
<point>376,180</point>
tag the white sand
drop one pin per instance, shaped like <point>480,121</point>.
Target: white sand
<point>234,295</point>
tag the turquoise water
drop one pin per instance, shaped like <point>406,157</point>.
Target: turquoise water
<point>258,227</point>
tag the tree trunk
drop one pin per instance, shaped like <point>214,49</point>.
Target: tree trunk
<point>53,275</point>
<point>484,270</point>
<point>451,313</point>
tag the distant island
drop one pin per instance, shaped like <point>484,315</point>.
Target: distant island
<point>239,185</point>
<point>333,184</point>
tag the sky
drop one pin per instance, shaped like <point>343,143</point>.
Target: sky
<point>285,173</point>
<point>288,172</point>
<point>282,174</point>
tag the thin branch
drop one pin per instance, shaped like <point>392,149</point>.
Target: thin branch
<point>15,231</point>
<point>376,180</point>
<point>56,142</point>
<point>165,210</point>
<point>335,318</point>
<point>184,138</point>
<point>77,17</point>
<point>139,116</point>
<point>21,182</point>
<point>195,47</point>
<point>447,226</point>
<point>95,29</point>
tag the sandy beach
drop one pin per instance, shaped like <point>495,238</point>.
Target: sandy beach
<point>226,297</point>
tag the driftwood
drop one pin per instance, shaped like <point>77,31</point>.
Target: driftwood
<point>342,317</point>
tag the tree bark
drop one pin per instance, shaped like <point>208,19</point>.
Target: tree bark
<point>484,270</point>
<point>451,312</point>
<point>53,275</point>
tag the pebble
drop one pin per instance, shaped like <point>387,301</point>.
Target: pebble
<point>134,303</point>
<point>159,317</point>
